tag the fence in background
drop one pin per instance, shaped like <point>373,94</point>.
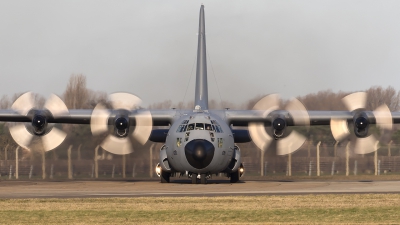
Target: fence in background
<point>113,168</point>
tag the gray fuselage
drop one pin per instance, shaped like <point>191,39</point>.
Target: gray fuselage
<point>200,143</point>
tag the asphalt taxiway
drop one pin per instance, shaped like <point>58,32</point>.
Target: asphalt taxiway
<point>136,188</point>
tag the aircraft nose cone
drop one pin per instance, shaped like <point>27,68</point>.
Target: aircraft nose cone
<point>199,153</point>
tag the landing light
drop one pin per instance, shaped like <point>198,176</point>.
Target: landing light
<point>158,170</point>
<point>241,170</point>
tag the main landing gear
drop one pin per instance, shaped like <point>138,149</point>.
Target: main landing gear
<point>235,177</point>
<point>162,174</point>
<point>165,177</point>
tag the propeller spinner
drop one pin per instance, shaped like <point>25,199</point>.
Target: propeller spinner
<point>364,143</point>
<point>120,140</point>
<point>51,137</point>
<point>285,145</point>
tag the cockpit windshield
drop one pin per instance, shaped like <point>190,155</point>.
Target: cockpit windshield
<point>190,126</point>
<point>202,126</point>
<point>199,126</point>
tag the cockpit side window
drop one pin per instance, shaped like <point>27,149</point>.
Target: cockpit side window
<point>181,128</point>
<point>199,126</point>
<point>190,126</point>
<point>219,128</point>
<point>209,127</point>
<point>216,126</point>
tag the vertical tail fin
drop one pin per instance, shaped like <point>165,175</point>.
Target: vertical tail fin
<point>201,95</point>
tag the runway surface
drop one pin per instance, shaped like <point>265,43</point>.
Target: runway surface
<point>95,189</point>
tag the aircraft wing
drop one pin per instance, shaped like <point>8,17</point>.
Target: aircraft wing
<point>244,117</point>
<point>129,126</point>
<point>265,126</point>
<point>83,116</point>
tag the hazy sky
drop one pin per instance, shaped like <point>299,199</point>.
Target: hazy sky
<point>148,47</point>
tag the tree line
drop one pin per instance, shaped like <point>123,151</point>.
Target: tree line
<point>78,96</point>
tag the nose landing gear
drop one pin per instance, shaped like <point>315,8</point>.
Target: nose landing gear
<point>194,178</point>
<point>203,178</point>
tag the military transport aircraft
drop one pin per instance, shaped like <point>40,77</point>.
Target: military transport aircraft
<point>198,142</point>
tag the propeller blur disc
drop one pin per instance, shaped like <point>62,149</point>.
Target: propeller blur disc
<point>20,135</point>
<point>144,125</point>
<point>298,112</point>
<point>122,100</point>
<point>50,140</point>
<point>56,106</point>
<point>294,140</point>
<point>260,138</point>
<point>339,129</point>
<point>24,103</point>
<point>355,101</point>
<point>119,146</point>
<point>257,131</point>
<point>99,119</point>
<point>268,103</point>
<point>53,139</point>
<point>383,119</point>
<point>365,145</point>
<point>290,144</point>
<point>123,103</point>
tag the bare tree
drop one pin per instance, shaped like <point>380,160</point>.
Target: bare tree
<point>167,104</point>
<point>76,95</point>
<point>324,100</point>
<point>5,102</point>
<point>378,96</point>
<point>95,97</point>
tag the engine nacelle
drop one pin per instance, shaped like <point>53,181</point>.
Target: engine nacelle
<point>39,124</point>
<point>278,127</point>
<point>361,125</point>
<point>121,126</point>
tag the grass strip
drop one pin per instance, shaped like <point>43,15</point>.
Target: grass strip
<point>325,209</point>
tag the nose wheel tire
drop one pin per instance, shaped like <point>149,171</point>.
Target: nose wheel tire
<point>203,179</point>
<point>194,178</point>
<point>165,177</point>
<point>235,177</point>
